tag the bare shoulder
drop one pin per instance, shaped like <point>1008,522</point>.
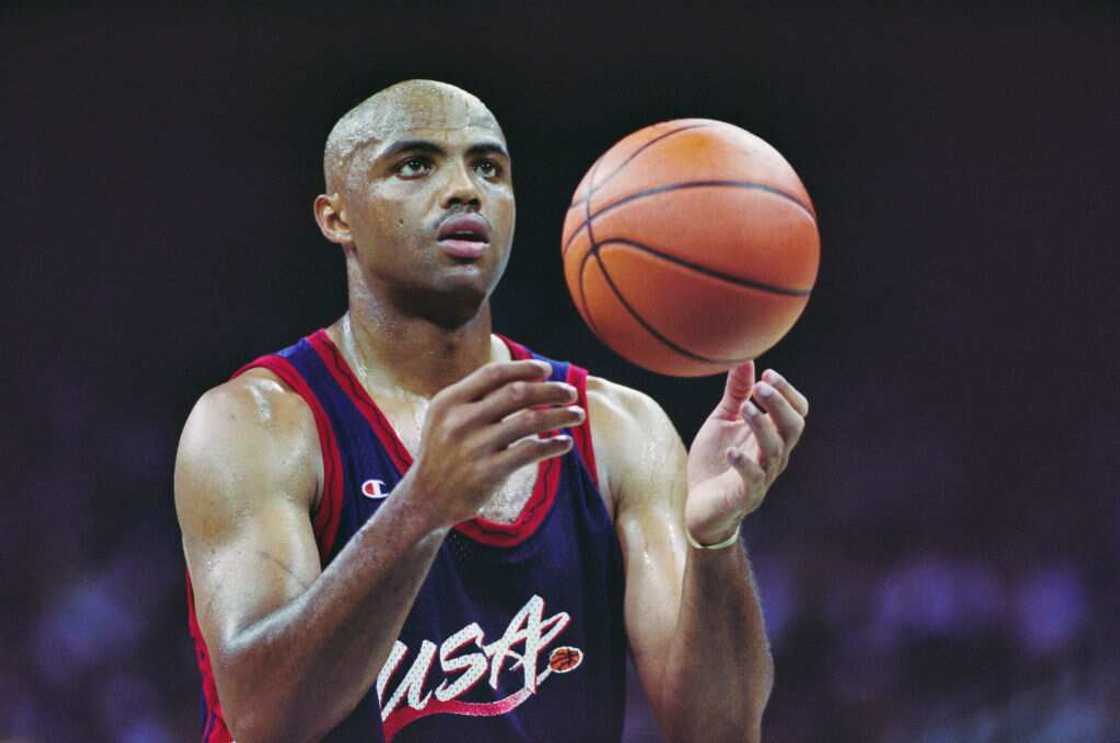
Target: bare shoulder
<point>635,441</point>
<point>619,405</point>
<point>250,437</point>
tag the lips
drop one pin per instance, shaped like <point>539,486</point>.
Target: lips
<point>465,236</point>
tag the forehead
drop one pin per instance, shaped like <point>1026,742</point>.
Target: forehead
<point>451,118</point>
<point>415,110</point>
<point>430,109</point>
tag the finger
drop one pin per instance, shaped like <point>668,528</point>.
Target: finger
<point>532,422</point>
<point>798,401</point>
<point>770,445</point>
<point>530,450</point>
<point>752,474</point>
<point>484,380</point>
<point>740,380</point>
<point>788,421</point>
<point>519,395</point>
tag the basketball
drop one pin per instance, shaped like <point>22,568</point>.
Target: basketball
<point>690,246</point>
<point>565,658</point>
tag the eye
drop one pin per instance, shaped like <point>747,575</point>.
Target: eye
<point>488,168</point>
<point>414,167</point>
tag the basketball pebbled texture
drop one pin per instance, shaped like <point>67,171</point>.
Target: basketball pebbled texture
<point>690,246</point>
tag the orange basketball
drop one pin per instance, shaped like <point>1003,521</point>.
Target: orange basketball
<point>690,246</point>
<point>565,658</point>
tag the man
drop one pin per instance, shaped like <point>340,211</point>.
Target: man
<point>470,554</point>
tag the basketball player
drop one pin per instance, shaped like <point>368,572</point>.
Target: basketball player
<point>405,527</point>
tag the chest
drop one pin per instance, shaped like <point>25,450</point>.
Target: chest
<point>508,500</point>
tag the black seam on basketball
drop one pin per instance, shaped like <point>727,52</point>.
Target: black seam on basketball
<point>594,166</point>
<point>649,328</point>
<point>748,185</point>
<point>736,280</point>
<point>590,177</point>
<point>590,246</point>
<point>592,189</point>
<point>586,311</point>
<point>567,244</point>
<point>587,220</point>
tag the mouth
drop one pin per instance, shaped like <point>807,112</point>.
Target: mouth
<point>465,237</point>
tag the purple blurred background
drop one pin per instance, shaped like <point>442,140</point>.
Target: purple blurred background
<point>938,563</point>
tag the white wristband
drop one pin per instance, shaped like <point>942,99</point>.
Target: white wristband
<point>725,543</point>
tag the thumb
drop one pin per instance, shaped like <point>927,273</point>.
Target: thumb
<point>740,382</point>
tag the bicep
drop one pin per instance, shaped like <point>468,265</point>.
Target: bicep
<point>646,470</point>
<point>654,566</point>
<point>242,492</point>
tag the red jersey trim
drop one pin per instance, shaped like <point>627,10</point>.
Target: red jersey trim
<point>214,730</point>
<point>326,518</point>
<point>577,377</point>
<point>324,523</point>
<point>581,434</point>
<point>493,533</point>
<point>345,378</point>
<point>408,715</point>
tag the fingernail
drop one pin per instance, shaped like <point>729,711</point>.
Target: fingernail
<point>764,389</point>
<point>772,376</point>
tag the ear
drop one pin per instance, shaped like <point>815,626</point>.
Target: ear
<point>331,218</point>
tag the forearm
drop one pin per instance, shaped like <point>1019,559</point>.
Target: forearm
<point>299,671</point>
<point>719,672</point>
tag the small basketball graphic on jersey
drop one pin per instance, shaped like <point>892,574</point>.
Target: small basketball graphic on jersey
<point>565,658</point>
<point>372,489</point>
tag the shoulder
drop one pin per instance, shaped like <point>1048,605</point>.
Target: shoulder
<point>634,437</point>
<point>244,437</point>
<point>620,406</point>
<point>251,403</point>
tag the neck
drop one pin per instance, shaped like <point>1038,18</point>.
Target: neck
<point>392,351</point>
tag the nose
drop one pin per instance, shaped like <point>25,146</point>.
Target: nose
<point>461,188</point>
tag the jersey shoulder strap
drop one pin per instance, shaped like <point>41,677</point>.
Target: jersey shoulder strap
<point>299,367</point>
<point>563,371</point>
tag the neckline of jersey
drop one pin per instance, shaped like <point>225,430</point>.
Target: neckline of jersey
<point>496,533</point>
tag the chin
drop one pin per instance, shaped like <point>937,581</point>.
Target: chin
<point>454,302</point>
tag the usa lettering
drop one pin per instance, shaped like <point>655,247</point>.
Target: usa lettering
<point>465,660</point>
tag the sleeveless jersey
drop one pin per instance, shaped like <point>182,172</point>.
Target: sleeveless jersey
<point>517,632</point>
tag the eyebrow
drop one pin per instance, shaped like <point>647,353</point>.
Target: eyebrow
<point>422,145</point>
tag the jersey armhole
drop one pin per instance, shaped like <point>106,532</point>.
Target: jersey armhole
<point>577,377</point>
<point>325,520</point>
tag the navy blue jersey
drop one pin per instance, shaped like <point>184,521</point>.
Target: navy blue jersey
<point>517,632</point>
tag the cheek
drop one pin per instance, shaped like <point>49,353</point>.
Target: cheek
<point>390,218</point>
<point>505,211</point>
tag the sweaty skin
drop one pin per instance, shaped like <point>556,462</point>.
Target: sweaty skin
<point>294,646</point>
<point>415,104</point>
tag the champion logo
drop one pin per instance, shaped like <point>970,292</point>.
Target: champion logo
<point>373,489</point>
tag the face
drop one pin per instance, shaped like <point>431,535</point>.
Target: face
<point>429,201</point>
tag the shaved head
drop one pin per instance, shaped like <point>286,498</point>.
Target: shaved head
<point>405,106</point>
<point>400,168</point>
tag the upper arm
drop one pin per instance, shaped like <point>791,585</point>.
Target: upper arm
<point>643,463</point>
<point>246,476</point>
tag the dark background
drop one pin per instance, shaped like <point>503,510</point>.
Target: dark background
<point>938,563</point>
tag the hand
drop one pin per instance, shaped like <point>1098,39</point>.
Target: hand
<point>740,450</point>
<point>482,429</point>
